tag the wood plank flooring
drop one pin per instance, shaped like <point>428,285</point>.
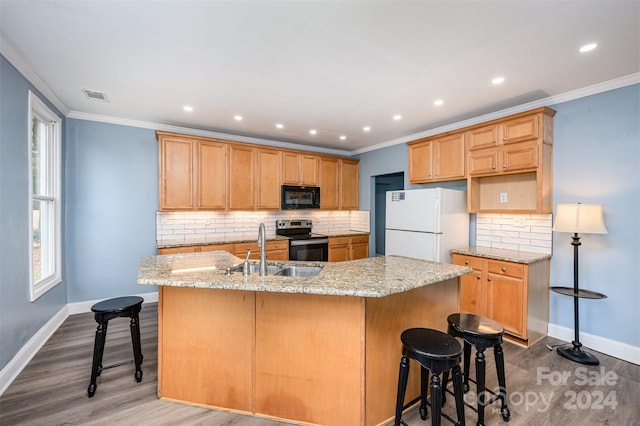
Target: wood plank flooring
<point>544,388</point>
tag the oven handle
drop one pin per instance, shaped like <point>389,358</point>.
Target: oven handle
<point>311,241</point>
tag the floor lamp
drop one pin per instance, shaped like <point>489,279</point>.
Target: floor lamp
<point>585,219</point>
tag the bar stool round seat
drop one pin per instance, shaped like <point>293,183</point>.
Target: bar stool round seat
<point>436,352</point>
<point>128,306</point>
<point>482,333</point>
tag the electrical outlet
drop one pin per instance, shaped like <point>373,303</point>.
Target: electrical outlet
<point>503,197</point>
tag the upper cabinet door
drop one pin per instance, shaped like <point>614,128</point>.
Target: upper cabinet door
<point>242,179</point>
<point>450,157</point>
<point>268,179</point>
<point>349,184</point>
<point>520,129</point>
<point>299,169</point>
<point>212,175</point>
<point>175,173</point>
<point>329,183</point>
<point>483,137</point>
<point>421,161</point>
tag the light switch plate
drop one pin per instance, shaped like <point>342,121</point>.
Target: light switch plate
<point>503,197</point>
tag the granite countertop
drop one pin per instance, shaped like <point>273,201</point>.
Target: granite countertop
<point>217,240</point>
<point>371,277</point>
<point>516,256</point>
<point>241,239</point>
<point>347,233</point>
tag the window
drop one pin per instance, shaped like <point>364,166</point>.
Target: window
<point>44,221</point>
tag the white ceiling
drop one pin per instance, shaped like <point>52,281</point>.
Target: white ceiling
<point>334,66</point>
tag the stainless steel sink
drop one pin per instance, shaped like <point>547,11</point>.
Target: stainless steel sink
<point>299,271</point>
<point>254,268</point>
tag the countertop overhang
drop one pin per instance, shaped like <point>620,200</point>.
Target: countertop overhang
<point>372,277</point>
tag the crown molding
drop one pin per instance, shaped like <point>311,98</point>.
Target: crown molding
<point>9,51</point>
<point>594,89</point>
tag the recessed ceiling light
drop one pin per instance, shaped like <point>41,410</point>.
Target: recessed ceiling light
<point>343,137</point>
<point>366,128</point>
<point>188,108</point>
<point>397,117</point>
<point>237,117</point>
<point>438,102</point>
<point>588,47</point>
<point>280,125</point>
<point>313,132</point>
<point>497,80</point>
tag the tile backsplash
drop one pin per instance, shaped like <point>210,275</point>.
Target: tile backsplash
<point>524,232</point>
<point>175,227</point>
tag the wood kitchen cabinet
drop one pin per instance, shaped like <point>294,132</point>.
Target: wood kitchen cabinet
<point>339,183</point>
<point>348,248</point>
<point>349,184</point>
<point>192,173</point>
<point>510,164</point>
<point>242,182</point>
<point>437,159</point>
<point>329,182</point>
<point>514,294</point>
<point>299,169</point>
<point>268,178</point>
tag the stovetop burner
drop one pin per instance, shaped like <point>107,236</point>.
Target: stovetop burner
<point>296,229</point>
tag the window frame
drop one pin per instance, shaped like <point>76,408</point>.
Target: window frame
<point>53,168</point>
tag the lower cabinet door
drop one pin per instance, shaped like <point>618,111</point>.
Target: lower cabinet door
<point>507,295</point>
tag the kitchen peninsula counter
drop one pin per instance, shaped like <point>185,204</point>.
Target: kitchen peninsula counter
<point>318,350</point>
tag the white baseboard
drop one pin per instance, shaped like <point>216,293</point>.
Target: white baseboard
<point>610,347</point>
<point>31,348</point>
<point>84,307</point>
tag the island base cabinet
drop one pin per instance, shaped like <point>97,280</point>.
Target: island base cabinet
<point>310,359</point>
<point>205,346</point>
<point>309,354</point>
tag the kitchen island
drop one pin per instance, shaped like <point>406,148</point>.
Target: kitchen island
<point>323,349</point>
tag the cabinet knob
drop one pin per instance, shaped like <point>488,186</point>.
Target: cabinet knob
<point>504,166</point>
<point>504,269</point>
<point>493,167</point>
<point>466,262</point>
<point>495,142</point>
<point>489,279</point>
<point>477,277</point>
<point>504,138</point>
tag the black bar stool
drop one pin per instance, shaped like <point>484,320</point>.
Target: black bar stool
<point>104,311</point>
<point>482,333</point>
<point>436,352</point>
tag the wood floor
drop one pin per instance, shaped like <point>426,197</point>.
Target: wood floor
<point>544,388</point>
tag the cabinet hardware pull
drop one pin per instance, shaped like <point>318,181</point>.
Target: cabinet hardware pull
<point>466,262</point>
<point>504,269</point>
<point>489,279</point>
<point>477,277</point>
<point>493,167</point>
<point>504,166</point>
<point>504,138</point>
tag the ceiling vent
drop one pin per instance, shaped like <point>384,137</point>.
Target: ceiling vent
<point>95,95</point>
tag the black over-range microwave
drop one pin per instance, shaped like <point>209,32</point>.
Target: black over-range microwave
<point>300,197</point>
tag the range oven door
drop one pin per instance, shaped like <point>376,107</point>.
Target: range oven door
<point>316,249</point>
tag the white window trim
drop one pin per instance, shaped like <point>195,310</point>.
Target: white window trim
<point>37,107</point>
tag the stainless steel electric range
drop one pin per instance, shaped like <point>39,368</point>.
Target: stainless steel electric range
<point>303,245</point>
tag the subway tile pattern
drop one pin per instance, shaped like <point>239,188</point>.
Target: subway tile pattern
<point>177,227</point>
<point>524,232</point>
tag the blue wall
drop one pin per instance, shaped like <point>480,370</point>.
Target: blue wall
<point>596,160</point>
<point>111,198</point>
<point>20,319</point>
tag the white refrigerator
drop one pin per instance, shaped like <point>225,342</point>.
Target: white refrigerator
<point>426,223</point>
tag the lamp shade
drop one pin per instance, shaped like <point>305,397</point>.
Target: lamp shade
<point>579,218</point>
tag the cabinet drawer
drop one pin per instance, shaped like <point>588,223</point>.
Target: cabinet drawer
<point>277,245</point>
<point>470,261</point>
<point>240,249</point>
<point>176,250</point>
<point>214,247</point>
<point>338,241</point>
<point>511,269</point>
<point>360,239</point>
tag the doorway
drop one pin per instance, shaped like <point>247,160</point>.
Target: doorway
<point>384,183</point>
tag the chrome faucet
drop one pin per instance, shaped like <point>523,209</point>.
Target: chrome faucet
<point>262,243</point>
